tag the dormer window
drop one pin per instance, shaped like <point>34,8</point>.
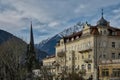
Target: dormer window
<point>77,37</point>
<point>67,40</point>
<point>72,39</point>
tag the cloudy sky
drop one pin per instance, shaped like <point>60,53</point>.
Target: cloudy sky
<point>50,17</point>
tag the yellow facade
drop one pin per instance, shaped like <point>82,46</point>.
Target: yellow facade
<point>90,51</point>
<point>48,64</point>
<point>109,69</point>
<point>84,50</point>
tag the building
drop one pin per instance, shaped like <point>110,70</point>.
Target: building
<point>49,65</point>
<point>85,51</point>
<point>110,69</point>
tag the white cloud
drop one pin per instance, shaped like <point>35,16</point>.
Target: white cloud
<point>53,24</point>
<point>51,16</point>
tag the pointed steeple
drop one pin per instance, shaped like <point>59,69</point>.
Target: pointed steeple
<point>31,60</point>
<point>102,12</point>
<point>31,38</point>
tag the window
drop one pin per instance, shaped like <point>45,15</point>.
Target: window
<point>104,56</point>
<point>105,72</point>
<point>67,40</point>
<point>113,44</point>
<point>82,56</point>
<point>116,72</point>
<point>75,58</point>
<point>72,39</point>
<point>89,66</point>
<point>70,58</point>
<point>113,55</point>
<point>104,44</point>
<point>83,67</point>
<point>119,56</point>
<point>89,56</point>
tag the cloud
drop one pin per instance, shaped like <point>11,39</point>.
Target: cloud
<point>52,16</point>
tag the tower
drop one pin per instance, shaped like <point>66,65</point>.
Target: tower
<point>31,61</point>
<point>102,21</point>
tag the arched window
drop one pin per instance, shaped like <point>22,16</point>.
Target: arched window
<point>82,66</point>
<point>89,66</point>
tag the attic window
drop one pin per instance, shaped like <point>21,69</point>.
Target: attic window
<point>77,37</point>
<point>67,40</point>
<point>72,39</point>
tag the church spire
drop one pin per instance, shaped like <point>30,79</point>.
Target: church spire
<point>31,60</point>
<point>102,12</point>
<point>31,38</point>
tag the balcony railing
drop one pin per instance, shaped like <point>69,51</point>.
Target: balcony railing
<point>61,54</point>
<point>110,61</point>
<point>85,50</point>
<point>88,60</point>
<point>56,64</point>
<point>50,67</point>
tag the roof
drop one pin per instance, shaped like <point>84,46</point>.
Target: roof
<point>102,22</point>
<point>48,57</point>
<point>93,31</point>
<point>74,35</point>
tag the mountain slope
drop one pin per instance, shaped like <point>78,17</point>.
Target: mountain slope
<point>9,42</point>
<point>48,45</point>
<point>4,36</point>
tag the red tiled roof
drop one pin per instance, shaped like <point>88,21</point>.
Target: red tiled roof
<point>94,31</point>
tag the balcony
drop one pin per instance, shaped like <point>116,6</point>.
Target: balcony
<point>50,67</point>
<point>88,60</point>
<point>56,64</point>
<point>110,61</point>
<point>85,50</point>
<point>61,54</point>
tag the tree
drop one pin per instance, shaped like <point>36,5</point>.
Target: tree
<point>75,76</point>
<point>11,58</point>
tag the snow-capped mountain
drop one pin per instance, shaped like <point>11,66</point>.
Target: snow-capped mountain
<point>48,45</point>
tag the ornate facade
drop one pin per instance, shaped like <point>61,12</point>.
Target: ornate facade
<point>87,49</point>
